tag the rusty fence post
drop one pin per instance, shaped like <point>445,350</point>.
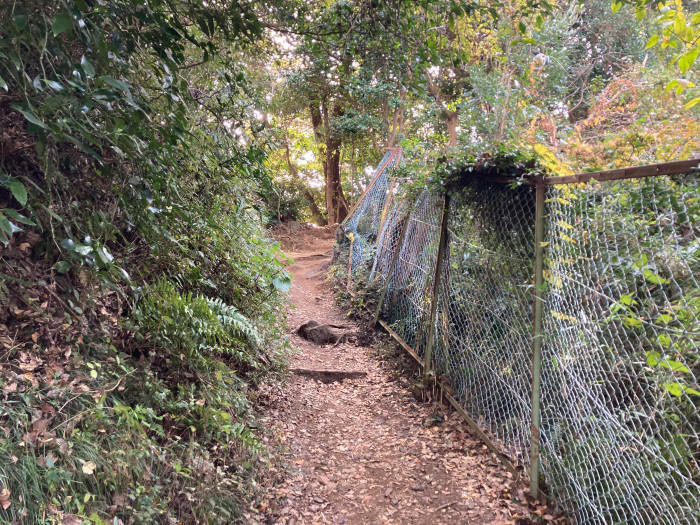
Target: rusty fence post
<point>537,340</point>
<point>442,245</point>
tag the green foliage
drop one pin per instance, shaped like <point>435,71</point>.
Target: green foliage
<point>143,299</point>
<point>188,326</point>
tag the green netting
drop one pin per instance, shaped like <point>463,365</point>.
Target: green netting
<point>621,349</point>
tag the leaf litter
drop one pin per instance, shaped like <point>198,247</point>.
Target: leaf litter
<point>365,450</point>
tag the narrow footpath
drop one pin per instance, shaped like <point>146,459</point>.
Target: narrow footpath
<point>364,450</point>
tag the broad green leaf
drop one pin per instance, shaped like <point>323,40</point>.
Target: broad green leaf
<point>123,86</point>
<point>626,299</point>
<point>653,358</point>
<point>5,225</point>
<point>632,322</point>
<point>282,284</point>
<point>665,318</point>
<point>19,217</point>
<point>61,23</point>
<point>87,66</point>
<point>68,244</point>
<point>55,85</point>
<point>688,59</point>
<point>664,340</point>
<point>29,115</point>
<point>83,249</point>
<point>19,192</point>
<point>674,366</point>
<point>654,278</point>
<point>3,84</point>
<point>104,256</point>
<point>652,41</point>
<point>675,389</point>
<point>62,266</point>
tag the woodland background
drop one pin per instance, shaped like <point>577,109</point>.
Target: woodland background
<point>145,147</point>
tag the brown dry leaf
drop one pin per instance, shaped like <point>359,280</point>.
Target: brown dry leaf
<point>71,519</point>
<point>35,336</point>
<point>40,426</point>
<point>5,499</point>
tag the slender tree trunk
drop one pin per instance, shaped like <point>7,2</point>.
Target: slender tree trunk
<point>330,144</point>
<point>315,210</point>
<point>451,119</point>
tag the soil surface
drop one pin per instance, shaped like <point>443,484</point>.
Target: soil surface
<point>364,450</point>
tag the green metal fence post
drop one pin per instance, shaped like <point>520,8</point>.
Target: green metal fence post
<point>394,258</point>
<point>436,285</point>
<point>537,340</point>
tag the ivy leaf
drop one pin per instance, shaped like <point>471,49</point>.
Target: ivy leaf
<point>60,24</point>
<point>68,244</point>
<point>19,192</point>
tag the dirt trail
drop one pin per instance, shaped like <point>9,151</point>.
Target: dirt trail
<point>364,450</point>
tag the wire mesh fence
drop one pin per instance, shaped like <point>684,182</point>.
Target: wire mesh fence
<point>619,435</point>
<point>364,221</point>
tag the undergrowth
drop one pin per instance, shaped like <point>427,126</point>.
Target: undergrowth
<point>140,298</point>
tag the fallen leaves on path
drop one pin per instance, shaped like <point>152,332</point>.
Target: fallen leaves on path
<point>364,450</point>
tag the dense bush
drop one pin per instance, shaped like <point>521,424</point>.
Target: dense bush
<point>139,297</point>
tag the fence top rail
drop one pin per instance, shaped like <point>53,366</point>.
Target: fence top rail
<point>636,172</point>
<point>677,167</point>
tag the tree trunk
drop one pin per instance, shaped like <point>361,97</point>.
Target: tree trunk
<point>451,119</point>
<point>329,146</point>
<point>335,198</point>
<point>315,210</point>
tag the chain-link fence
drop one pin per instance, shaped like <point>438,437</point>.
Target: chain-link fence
<point>615,322</point>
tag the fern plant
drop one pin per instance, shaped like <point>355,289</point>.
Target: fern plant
<point>186,323</point>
